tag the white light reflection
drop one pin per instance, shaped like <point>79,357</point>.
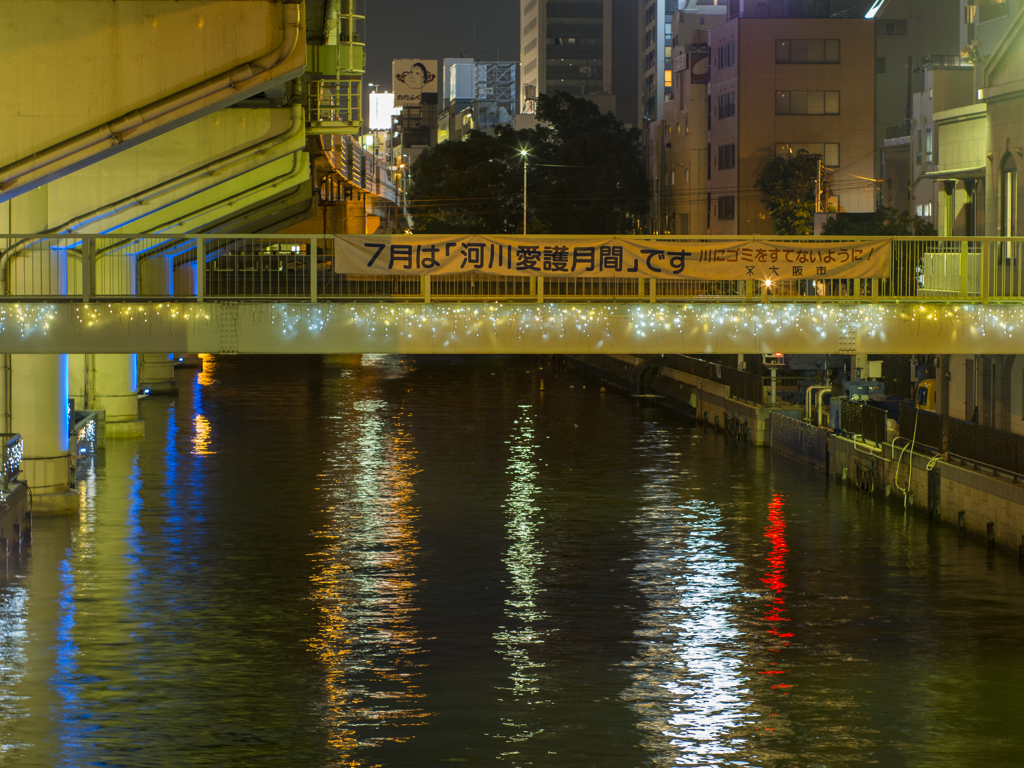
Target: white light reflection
<point>688,687</point>
<point>13,665</point>
<point>523,559</point>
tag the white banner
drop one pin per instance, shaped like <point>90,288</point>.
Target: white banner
<point>609,257</point>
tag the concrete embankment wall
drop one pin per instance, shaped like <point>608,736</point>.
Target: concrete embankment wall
<point>981,504</point>
<point>698,398</point>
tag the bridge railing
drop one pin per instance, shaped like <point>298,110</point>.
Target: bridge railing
<point>112,267</point>
<point>12,447</point>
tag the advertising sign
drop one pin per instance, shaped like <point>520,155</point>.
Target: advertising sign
<point>411,79</point>
<point>610,257</point>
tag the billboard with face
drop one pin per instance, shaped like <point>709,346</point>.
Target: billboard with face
<point>412,78</point>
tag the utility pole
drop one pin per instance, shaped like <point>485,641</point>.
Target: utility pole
<point>523,153</point>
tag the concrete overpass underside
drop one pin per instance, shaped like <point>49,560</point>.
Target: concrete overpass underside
<point>221,327</point>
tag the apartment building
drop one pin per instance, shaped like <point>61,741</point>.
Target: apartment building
<point>908,34</point>
<point>785,84</point>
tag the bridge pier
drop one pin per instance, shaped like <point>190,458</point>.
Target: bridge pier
<point>156,371</point>
<point>39,398</point>
<point>112,384</point>
<point>36,387</point>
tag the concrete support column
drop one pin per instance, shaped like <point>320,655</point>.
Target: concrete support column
<point>39,401</point>
<point>37,396</point>
<point>355,218</point>
<point>185,282</point>
<point>112,380</point>
<point>113,388</point>
<point>156,372</point>
<point>78,381</point>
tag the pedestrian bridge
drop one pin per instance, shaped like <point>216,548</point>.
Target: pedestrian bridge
<point>242,294</point>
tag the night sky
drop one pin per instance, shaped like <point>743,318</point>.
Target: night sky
<point>437,29</point>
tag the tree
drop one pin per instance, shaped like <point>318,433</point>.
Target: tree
<point>590,174</point>
<point>465,187</point>
<point>884,222</point>
<point>788,186</point>
<point>585,176</point>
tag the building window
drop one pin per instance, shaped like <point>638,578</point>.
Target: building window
<point>726,105</point>
<point>807,102</point>
<point>920,146</point>
<point>726,157</point>
<point>726,55</point>
<point>807,51</point>
<point>891,28</point>
<point>726,208</point>
<point>829,152</point>
<point>928,145</point>
<point>880,65</point>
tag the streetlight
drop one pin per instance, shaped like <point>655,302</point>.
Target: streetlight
<point>523,153</point>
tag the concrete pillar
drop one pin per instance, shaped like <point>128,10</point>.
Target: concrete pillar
<point>112,380</point>
<point>37,396</point>
<point>156,372</point>
<point>184,279</point>
<point>77,381</point>
<point>39,399</point>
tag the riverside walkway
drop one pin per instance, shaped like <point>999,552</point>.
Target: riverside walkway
<point>259,294</point>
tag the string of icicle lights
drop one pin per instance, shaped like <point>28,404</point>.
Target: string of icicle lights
<point>445,324</point>
<point>26,319</point>
<point>644,322</point>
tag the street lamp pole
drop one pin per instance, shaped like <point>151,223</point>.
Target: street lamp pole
<point>523,153</point>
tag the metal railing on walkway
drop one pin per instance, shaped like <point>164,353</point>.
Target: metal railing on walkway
<point>965,441</point>
<point>111,267</point>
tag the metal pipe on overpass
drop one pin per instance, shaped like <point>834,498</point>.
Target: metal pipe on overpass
<point>40,167</point>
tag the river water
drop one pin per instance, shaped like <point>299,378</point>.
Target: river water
<point>385,561</point>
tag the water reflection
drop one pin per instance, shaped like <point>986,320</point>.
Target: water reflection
<point>689,686</point>
<point>417,571</point>
<point>13,660</point>
<point>774,580</point>
<point>364,581</point>
<point>523,559</point>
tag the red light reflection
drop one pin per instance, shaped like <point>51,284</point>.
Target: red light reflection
<point>774,579</point>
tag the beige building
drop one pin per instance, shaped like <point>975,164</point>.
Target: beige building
<point>677,145</point>
<point>784,85</point>
<point>1003,95</point>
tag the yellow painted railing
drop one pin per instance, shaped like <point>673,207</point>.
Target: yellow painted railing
<point>301,268</point>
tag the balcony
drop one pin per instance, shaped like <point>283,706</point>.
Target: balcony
<point>333,106</point>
